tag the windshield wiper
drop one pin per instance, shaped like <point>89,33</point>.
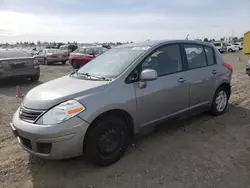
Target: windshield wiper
<point>95,76</point>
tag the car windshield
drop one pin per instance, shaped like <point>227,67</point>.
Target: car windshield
<point>100,50</point>
<point>63,48</point>
<point>113,62</point>
<point>53,51</point>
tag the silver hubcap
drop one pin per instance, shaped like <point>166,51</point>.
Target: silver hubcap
<point>221,101</point>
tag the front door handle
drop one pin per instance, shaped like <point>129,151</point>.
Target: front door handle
<point>181,80</point>
<point>214,72</point>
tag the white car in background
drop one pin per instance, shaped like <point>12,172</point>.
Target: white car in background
<point>239,44</point>
<point>221,46</point>
<point>232,47</point>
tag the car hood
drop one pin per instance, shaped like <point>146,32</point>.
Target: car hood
<point>59,90</point>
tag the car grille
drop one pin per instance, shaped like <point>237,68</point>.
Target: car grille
<point>25,142</point>
<point>29,115</point>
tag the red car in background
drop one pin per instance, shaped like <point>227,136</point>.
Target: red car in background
<point>83,55</point>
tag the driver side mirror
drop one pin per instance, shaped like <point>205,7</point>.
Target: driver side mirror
<point>148,75</point>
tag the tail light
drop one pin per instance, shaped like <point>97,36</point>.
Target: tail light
<point>228,66</point>
<point>36,63</point>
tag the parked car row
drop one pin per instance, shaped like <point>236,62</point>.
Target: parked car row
<point>25,62</point>
<point>227,47</point>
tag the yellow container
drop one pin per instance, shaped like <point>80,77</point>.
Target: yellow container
<point>246,43</point>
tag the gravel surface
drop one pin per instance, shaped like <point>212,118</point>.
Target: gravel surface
<point>199,151</point>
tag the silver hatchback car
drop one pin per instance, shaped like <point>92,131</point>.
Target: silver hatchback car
<point>97,109</point>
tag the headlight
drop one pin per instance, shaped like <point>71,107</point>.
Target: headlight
<point>61,112</point>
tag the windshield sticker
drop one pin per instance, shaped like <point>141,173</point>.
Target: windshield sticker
<point>141,48</point>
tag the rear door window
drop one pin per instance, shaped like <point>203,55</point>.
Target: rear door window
<point>81,51</point>
<point>195,56</point>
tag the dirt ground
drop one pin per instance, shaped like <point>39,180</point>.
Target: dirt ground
<point>200,151</point>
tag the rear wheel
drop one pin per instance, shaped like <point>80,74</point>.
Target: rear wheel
<point>230,50</point>
<point>74,64</point>
<point>220,101</point>
<point>63,62</point>
<point>34,78</point>
<point>106,141</point>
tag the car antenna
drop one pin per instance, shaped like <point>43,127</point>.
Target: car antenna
<point>187,37</point>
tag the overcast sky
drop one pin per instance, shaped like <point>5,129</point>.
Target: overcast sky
<point>121,20</point>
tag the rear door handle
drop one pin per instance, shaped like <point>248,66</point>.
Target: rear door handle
<point>181,80</point>
<point>214,72</point>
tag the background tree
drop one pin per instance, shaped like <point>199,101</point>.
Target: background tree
<point>205,40</point>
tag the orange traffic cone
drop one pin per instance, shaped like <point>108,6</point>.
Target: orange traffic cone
<point>18,92</point>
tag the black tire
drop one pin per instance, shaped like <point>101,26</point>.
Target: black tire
<point>103,152</point>
<point>63,62</point>
<point>230,50</point>
<point>214,108</point>
<point>74,64</point>
<point>35,78</point>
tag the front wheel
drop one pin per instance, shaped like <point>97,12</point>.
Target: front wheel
<point>74,64</point>
<point>220,101</point>
<point>106,141</point>
<point>230,50</point>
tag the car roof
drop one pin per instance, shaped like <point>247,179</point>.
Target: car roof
<point>161,42</point>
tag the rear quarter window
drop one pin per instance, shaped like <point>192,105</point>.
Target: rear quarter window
<point>219,57</point>
<point>209,55</point>
<point>13,54</point>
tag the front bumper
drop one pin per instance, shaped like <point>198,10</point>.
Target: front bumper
<point>61,141</point>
